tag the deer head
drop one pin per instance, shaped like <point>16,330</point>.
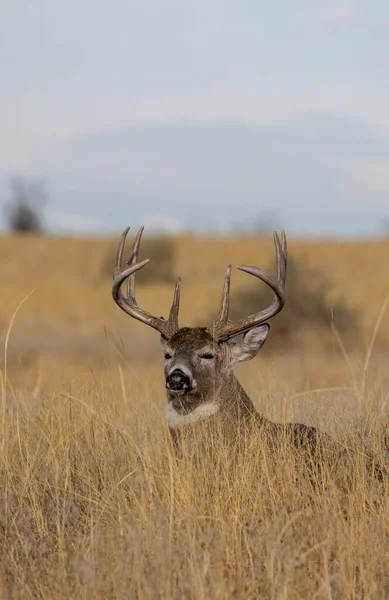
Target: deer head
<point>199,361</point>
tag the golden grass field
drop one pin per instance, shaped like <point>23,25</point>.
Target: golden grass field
<point>94,502</point>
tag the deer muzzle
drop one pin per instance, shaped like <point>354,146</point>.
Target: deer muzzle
<point>178,381</point>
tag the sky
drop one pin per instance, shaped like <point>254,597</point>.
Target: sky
<point>203,115</point>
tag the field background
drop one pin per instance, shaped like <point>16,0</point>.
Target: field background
<point>93,503</point>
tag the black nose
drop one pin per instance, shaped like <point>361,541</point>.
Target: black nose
<point>177,380</point>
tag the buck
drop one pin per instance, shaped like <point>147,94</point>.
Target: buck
<point>198,362</point>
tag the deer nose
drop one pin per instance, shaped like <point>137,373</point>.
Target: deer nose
<point>177,380</point>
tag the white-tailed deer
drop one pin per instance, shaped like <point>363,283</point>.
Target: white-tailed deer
<point>200,382</point>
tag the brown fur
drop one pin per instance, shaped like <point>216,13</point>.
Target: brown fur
<point>216,383</point>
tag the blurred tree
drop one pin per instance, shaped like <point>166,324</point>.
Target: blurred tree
<point>24,211</point>
<point>262,225</point>
<point>384,226</point>
<point>308,302</point>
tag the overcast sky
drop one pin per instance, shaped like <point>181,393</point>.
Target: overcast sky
<point>205,114</point>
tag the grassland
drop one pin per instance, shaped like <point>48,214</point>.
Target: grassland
<point>94,503</point>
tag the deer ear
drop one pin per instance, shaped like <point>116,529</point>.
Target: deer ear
<point>247,345</point>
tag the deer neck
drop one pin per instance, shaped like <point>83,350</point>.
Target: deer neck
<point>233,398</point>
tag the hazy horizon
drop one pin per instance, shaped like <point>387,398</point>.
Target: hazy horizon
<point>210,117</point>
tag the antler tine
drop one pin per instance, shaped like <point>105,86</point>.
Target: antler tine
<point>222,316</point>
<point>119,252</point>
<point>173,315</point>
<point>132,260</point>
<point>277,245</point>
<point>224,328</point>
<point>128,303</point>
<point>281,251</point>
<point>283,243</point>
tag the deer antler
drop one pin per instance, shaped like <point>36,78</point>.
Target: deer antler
<point>128,303</point>
<point>224,328</point>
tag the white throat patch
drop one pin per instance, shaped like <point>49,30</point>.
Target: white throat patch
<point>200,413</point>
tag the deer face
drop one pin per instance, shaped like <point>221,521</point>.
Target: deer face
<point>195,364</point>
<point>198,361</point>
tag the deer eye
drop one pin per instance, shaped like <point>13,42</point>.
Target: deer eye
<point>167,356</point>
<point>207,356</point>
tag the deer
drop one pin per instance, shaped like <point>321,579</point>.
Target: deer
<point>200,383</point>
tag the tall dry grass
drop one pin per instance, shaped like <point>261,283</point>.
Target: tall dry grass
<point>94,502</point>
